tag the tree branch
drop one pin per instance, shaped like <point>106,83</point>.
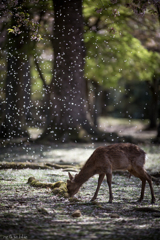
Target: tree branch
<point>40,74</point>
<point>158,11</point>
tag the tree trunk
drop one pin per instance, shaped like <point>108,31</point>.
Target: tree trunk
<point>68,95</point>
<point>157,138</point>
<point>158,132</point>
<point>27,90</point>
<point>97,108</point>
<point>17,88</point>
<point>94,101</point>
<point>14,124</point>
<point>154,103</point>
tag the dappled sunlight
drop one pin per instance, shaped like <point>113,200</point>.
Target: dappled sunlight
<point>77,77</point>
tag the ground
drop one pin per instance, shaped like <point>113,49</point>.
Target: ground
<point>28,212</point>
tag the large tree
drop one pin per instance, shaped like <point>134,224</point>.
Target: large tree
<point>17,83</point>
<point>18,22</point>
<point>68,100</point>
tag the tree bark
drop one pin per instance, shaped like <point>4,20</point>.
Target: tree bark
<point>158,132</point>
<point>17,87</point>
<point>97,107</point>
<point>17,99</point>
<point>94,101</point>
<point>153,86</point>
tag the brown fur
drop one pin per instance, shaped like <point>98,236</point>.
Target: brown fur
<point>104,160</point>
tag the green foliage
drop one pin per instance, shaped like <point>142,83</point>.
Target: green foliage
<point>24,16</point>
<point>37,84</point>
<point>112,52</point>
<point>11,30</point>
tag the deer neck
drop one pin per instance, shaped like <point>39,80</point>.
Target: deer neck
<point>83,176</point>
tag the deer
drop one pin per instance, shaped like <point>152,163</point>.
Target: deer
<point>106,159</point>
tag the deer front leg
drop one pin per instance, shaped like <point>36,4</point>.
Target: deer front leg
<point>109,181</point>
<point>100,180</point>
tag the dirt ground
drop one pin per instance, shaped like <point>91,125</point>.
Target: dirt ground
<point>27,212</point>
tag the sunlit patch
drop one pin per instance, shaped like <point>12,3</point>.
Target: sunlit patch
<point>143,226</point>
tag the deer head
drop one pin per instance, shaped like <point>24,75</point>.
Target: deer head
<point>72,186</point>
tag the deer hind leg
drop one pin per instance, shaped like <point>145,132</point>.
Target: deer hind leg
<point>144,176</point>
<point>109,181</point>
<point>149,179</point>
<point>142,189</point>
<point>100,180</point>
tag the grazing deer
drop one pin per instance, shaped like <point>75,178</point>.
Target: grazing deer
<point>104,160</point>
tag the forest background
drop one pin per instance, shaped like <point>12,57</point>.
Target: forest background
<point>64,65</point>
<point>75,75</point>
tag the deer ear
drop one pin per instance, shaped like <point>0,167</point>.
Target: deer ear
<point>68,182</point>
<point>70,176</point>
